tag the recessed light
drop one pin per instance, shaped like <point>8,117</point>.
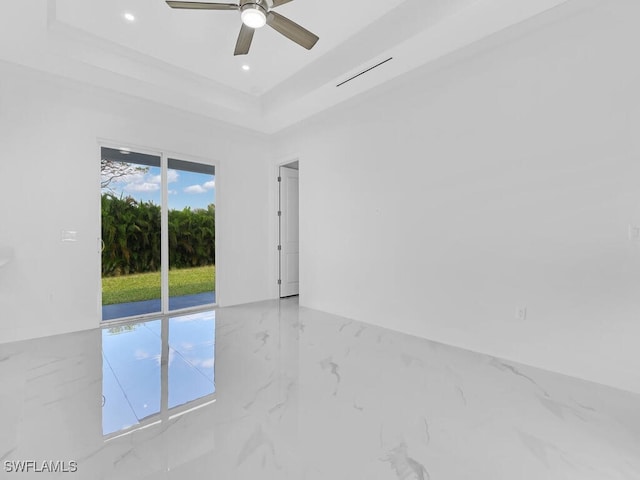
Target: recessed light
<point>246,68</point>
<point>130,17</point>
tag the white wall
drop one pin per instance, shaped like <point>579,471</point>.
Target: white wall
<point>442,202</point>
<point>49,181</point>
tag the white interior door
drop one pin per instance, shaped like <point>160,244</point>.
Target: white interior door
<point>289,233</point>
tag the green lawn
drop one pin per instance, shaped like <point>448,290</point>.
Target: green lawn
<point>146,286</point>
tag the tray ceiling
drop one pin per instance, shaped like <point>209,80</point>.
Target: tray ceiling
<point>185,58</point>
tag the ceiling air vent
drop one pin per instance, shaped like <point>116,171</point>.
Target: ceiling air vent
<point>364,71</point>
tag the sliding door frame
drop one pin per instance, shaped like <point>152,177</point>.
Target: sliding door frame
<point>164,227</point>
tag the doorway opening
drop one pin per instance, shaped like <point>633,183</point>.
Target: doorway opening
<point>158,234</point>
<point>288,230</point>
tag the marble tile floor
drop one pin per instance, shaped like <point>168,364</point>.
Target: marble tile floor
<point>299,395</point>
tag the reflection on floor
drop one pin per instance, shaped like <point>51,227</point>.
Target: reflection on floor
<point>301,395</point>
<point>136,360</point>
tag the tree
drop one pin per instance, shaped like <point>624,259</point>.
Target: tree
<point>113,171</point>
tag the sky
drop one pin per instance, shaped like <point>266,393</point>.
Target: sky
<point>186,189</point>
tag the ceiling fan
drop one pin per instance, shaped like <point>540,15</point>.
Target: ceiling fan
<point>256,14</point>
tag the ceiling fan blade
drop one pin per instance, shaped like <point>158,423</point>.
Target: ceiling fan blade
<point>291,30</point>
<point>277,3</point>
<point>244,40</point>
<point>202,5</point>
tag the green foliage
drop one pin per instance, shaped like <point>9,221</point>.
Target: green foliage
<point>192,236</point>
<point>131,235</point>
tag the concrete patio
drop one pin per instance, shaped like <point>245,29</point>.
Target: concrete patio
<point>133,309</point>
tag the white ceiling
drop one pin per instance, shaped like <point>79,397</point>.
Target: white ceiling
<point>185,58</point>
<point>203,41</point>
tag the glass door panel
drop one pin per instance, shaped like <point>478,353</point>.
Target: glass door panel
<point>191,229</point>
<point>131,233</point>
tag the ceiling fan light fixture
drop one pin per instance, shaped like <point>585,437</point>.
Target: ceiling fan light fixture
<point>253,16</point>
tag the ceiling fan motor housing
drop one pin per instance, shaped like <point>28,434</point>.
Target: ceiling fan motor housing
<point>264,4</point>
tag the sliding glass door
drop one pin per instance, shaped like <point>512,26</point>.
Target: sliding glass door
<point>192,232</point>
<point>158,234</point>
<point>131,233</point>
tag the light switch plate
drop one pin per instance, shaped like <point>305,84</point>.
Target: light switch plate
<point>69,236</point>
